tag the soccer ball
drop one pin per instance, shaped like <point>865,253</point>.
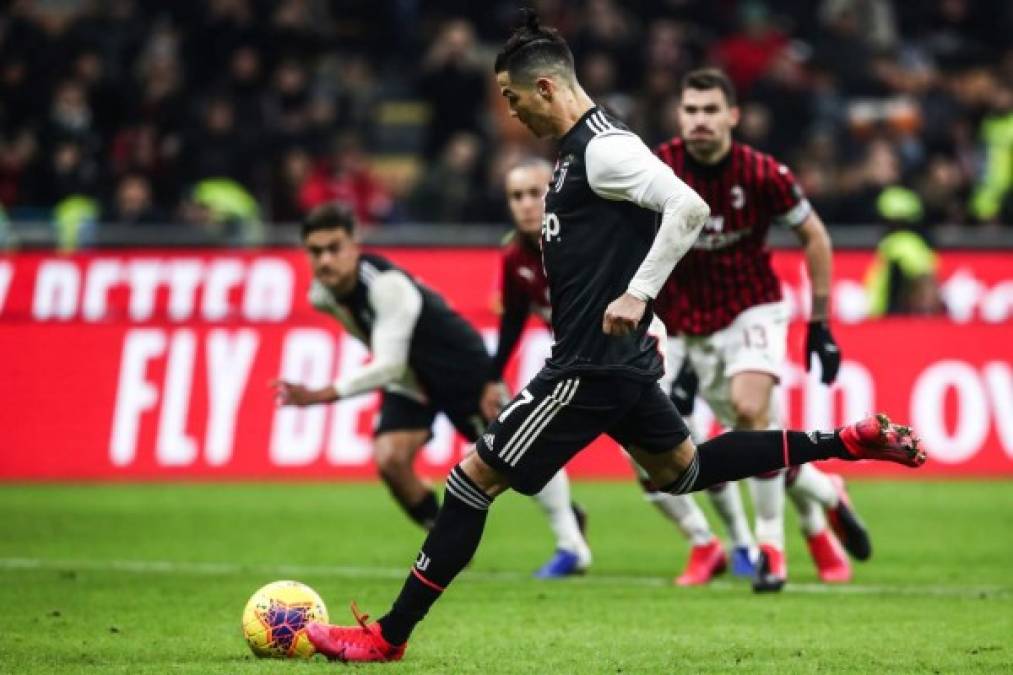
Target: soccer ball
<point>275,618</point>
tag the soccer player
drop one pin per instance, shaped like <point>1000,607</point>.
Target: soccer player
<point>524,291</point>
<point>426,358</point>
<point>723,308</point>
<point>605,258</point>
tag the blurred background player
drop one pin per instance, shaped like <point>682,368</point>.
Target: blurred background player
<point>724,304</point>
<point>426,358</point>
<point>524,291</point>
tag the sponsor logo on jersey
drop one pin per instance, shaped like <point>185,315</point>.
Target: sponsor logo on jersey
<point>738,198</point>
<point>713,236</point>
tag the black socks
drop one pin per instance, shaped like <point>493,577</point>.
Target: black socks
<point>740,454</point>
<point>424,512</point>
<point>448,548</point>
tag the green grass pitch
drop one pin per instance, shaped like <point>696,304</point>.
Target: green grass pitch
<point>153,579</point>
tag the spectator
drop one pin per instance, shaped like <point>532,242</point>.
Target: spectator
<point>453,83</point>
<point>133,203</point>
<point>71,118</point>
<point>997,137</point>
<point>747,55</point>
<point>244,86</point>
<point>17,152</point>
<point>287,178</point>
<point>447,191</point>
<point>861,96</point>
<point>215,149</point>
<point>66,171</point>
<point>346,177</point>
<point>287,104</point>
<point>903,276</point>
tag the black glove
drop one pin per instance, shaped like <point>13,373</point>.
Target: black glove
<point>820,342</point>
<point>684,389</point>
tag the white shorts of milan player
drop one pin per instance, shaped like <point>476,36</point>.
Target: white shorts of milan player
<point>756,341</point>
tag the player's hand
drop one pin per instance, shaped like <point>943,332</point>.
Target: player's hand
<point>684,389</point>
<point>494,396</point>
<point>289,393</point>
<point>623,315</point>
<point>820,342</point>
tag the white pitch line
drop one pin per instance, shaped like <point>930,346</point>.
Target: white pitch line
<point>353,572</point>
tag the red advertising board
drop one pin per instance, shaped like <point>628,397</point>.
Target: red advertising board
<point>154,364</point>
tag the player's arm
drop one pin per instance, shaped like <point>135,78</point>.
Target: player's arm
<point>621,167</point>
<point>511,321</point>
<point>511,325</point>
<point>819,263</point>
<point>794,211</point>
<point>397,304</point>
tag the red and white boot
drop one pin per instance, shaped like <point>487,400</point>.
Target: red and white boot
<point>831,562</point>
<point>706,561</point>
<point>362,642</point>
<point>876,437</point>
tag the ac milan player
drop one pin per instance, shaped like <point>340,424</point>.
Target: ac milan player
<point>723,306</point>
<point>606,257</point>
<point>524,291</point>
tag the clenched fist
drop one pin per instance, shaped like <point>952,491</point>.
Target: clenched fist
<point>623,315</point>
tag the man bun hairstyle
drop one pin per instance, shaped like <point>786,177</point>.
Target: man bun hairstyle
<point>703,79</point>
<point>330,216</point>
<point>533,49</point>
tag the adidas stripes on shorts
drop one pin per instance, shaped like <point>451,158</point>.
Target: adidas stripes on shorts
<point>559,414</point>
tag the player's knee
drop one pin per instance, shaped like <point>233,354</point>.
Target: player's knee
<point>488,479</point>
<point>750,412</point>
<point>393,461</point>
<point>679,474</point>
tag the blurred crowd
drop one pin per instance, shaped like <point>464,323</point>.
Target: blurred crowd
<point>219,112</point>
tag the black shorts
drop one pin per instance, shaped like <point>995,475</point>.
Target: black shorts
<point>399,412</point>
<point>556,416</point>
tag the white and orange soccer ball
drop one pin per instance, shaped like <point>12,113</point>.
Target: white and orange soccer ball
<point>275,619</point>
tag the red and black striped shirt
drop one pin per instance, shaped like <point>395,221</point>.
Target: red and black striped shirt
<point>728,269</point>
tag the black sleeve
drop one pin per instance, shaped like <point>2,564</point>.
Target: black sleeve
<point>511,325</point>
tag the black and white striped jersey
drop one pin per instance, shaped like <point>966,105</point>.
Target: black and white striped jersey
<point>591,249</point>
<point>403,322</point>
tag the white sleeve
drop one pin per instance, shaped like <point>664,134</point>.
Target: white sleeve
<point>621,167</point>
<point>397,304</point>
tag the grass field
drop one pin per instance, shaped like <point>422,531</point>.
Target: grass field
<point>153,578</point>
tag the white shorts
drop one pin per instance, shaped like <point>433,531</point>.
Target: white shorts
<point>756,341</point>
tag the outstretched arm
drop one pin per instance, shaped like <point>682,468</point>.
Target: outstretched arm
<point>397,304</point>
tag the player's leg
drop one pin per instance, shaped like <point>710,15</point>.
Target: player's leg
<point>831,562</point>
<point>726,498</point>
<point>566,519</point>
<point>707,359</point>
<point>750,393</point>
<point>402,428</point>
<point>471,487</point>
<point>753,349</point>
<point>820,498</point>
<point>531,440</point>
<point>650,426</point>
<point>572,554</point>
<point>707,558</point>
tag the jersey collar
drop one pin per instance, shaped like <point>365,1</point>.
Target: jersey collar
<point>565,137</point>
<point>693,165</point>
